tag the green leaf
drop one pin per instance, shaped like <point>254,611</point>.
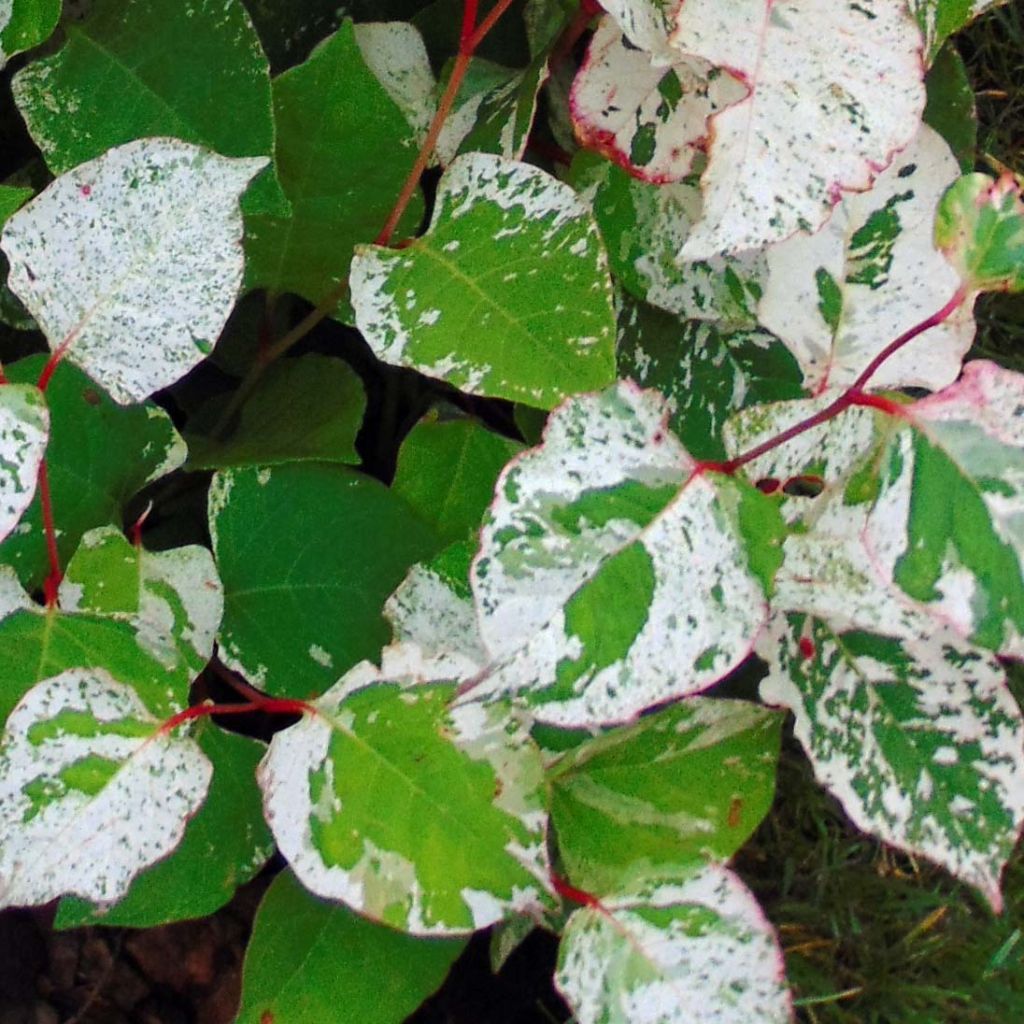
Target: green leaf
<point>303,410</point>
<point>289,31</point>
<point>194,70</point>
<point>422,817</point>
<point>25,24</point>
<point>644,226</point>
<point>91,792</point>
<point>447,471</point>
<point>681,787</point>
<point>613,572</point>
<point>947,524</point>
<point>913,731</point>
<point>174,599</point>
<point>939,19</point>
<point>706,373</point>
<point>11,199</point>
<point>507,294</point>
<point>980,228</point>
<point>308,959</point>
<point>308,553</point>
<point>343,151</point>
<point>951,107</point>
<point>693,951</point>
<point>131,263</point>
<point>99,455</point>
<point>24,430</point>
<point>225,844</point>
<point>837,298</point>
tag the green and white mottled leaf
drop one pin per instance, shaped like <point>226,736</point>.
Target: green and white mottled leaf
<point>133,261</point>
<point>649,118</point>
<point>684,786</point>
<point>99,455</point>
<point>694,951</point>
<point>813,126</point>
<point>303,410</point>
<point>705,372</point>
<point>25,24</point>
<point>423,817</point>
<point>939,19</point>
<point>507,295</point>
<point>647,24</point>
<point>308,554</point>
<point>980,228</point>
<point>916,734</point>
<point>839,297</point>
<point>91,792</point>
<point>612,573</point>
<point>174,598</point>
<point>644,227</point>
<point>225,844</point>
<point>24,431</point>
<point>382,976</point>
<point>947,524</point>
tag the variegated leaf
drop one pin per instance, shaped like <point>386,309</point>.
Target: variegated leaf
<point>694,951</point>
<point>838,297</point>
<point>980,228</point>
<point>25,24</point>
<point>939,19</point>
<point>648,118</point>
<point>507,294</point>
<point>24,431</point>
<point>613,573</point>
<point>173,598</point>
<point>813,126</point>
<point>644,226</point>
<point>913,731</point>
<point>647,24</point>
<point>91,791</point>
<point>133,260</point>
<point>947,524</point>
<point>422,817</point>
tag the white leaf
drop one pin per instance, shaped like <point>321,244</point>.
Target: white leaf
<point>839,297</point>
<point>611,575</point>
<point>91,792</point>
<point>133,260</point>
<point>698,951</point>
<point>650,119</point>
<point>24,429</point>
<point>835,89</point>
<point>647,24</point>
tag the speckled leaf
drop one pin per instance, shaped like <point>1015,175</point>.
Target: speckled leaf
<point>705,372</point>
<point>612,573</point>
<point>447,470</point>
<point>343,150</point>
<point>651,119</point>
<point>174,599</point>
<point>24,429</point>
<point>947,524</point>
<point>225,844</point>
<point>308,554</point>
<point>980,228</point>
<point>507,294</point>
<point>839,297</point>
<point>91,792</point>
<point>812,126</point>
<point>99,455</point>
<point>647,24</point>
<point>25,24</point>
<point>194,69</point>
<point>939,19</point>
<point>289,979</point>
<point>644,226</point>
<point>303,410</point>
<point>133,261</point>
<point>428,819</point>
<point>683,786</point>
<point>695,951</point>
<point>918,736</point>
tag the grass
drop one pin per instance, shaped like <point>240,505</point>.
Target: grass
<point>872,936</point>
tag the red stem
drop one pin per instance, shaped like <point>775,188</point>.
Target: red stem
<point>51,584</point>
<point>54,361</point>
<point>271,705</point>
<point>469,12</point>
<point>574,895</point>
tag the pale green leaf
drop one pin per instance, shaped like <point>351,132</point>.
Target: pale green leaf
<point>507,294</point>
